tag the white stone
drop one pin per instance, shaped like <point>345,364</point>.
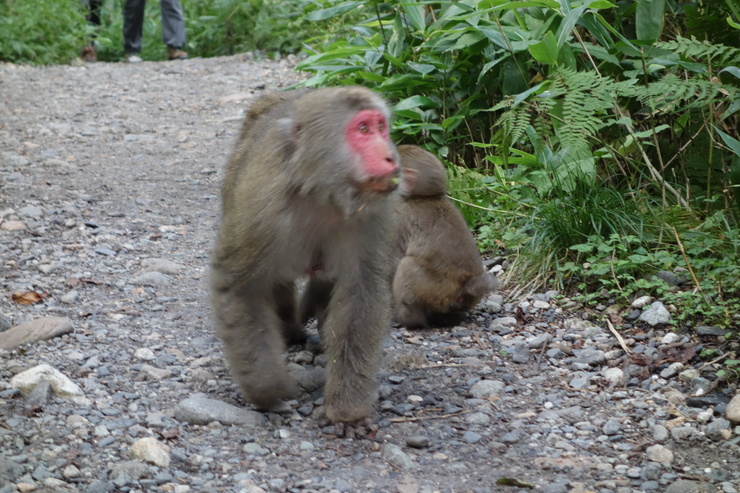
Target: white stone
<point>670,338</point>
<point>733,409</point>
<point>641,302</point>
<point>61,385</point>
<point>145,354</point>
<point>659,453</point>
<point>615,376</point>
<point>151,450</point>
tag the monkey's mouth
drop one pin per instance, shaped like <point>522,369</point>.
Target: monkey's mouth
<point>384,184</point>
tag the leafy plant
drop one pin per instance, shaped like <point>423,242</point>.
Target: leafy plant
<point>41,33</point>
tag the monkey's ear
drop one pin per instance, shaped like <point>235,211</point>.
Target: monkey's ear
<point>408,181</point>
<point>288,128</point>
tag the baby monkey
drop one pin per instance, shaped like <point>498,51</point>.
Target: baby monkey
<point>439,275</point>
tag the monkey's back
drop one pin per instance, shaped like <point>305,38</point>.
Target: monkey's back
<point>434,233</point>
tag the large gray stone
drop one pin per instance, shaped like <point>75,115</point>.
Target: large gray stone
<point>199,409</point>
<point>656,314</point>
<point>35,330</point>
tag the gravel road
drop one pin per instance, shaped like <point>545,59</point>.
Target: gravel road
<point>109,182</point>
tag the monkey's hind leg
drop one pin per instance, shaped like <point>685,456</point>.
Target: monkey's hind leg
<point>251,330</point>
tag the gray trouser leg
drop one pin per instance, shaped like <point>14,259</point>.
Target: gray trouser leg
<point>133,23</point>
<point>173,23</point>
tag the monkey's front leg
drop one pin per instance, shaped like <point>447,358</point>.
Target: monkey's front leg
<point>357,321</point>
<point>250,328</point>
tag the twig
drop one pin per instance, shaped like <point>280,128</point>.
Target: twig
<point>619,337</point>
<point>540,356</point>
<point>442,365</point>
<point>424,418</point>
<point>688,265</point>
<point>730,355</point>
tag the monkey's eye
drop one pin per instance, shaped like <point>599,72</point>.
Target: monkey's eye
<point>381,126</point>
<point>363,128</point>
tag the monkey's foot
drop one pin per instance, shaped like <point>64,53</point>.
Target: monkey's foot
<point>366,428</point>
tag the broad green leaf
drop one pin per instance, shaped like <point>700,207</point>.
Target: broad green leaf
<point>415,14</point>
<point>396,43</point>
<point>323,14</point>
<point>569,21</point>
<point>731,70</point>
<point>415,102</point>
<point>732,23</point>
<point>730,141</point>
<point>600,4</point>
<point>649,19</point>
<point>422,68</point>
<point>523,96</point>
<point>546,51</point>
<point>468,39</point>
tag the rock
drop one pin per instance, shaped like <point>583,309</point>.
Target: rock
<point>502,323</point>
<point>310,379</point>
<point>611,427</point>
<point>656,314</point>
<point>659,453</point>
<point>199,409</point>
<point>716,429</point>
<point>672,370</point>
<point>705,330</point>
<point>40,394</point>
<point>733,409</point>
<point>35,330</point>
<point>162,266</point>
<point>397,457</point>
<point>591,357</point>
<point>12,226</point>
<point>700,386</point>
<point>5,323</point>
<point>669,277</point>
<point>144,353</point>
<point>521,353</point>
<point>686,486</point>
<point>641,302</point>
<point>486,388</point>
<point>31,211</point>
<point>539,341</point>
<point>153,279</point>
<point>471,437</point>
<point>615,376</point>
<point>417,441</point>
<point>660,433</point>
<point>151,450</point>
<point>670,338</point>
<point>61,386</point>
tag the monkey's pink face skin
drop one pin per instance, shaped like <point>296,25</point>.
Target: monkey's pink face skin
<point>368,137</point>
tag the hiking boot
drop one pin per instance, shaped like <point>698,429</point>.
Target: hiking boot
<point>132,58</point>
<point>176,54</point>
<point>89,54</point>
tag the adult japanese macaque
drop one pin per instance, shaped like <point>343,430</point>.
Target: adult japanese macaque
<point>439,274</point>
<point>309,190</point>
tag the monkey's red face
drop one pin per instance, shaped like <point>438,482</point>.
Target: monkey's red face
<point>368,137</point>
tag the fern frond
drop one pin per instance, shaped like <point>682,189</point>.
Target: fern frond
<point>671,93</point>
<point>720,55</point>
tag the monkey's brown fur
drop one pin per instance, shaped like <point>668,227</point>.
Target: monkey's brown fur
<point>439,274</point>
<point>294,203</point>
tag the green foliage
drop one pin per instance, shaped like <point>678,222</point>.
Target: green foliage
<point>41,33</point>
<point>625,268</point>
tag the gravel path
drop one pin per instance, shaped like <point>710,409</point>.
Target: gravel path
<point>109,182</point>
